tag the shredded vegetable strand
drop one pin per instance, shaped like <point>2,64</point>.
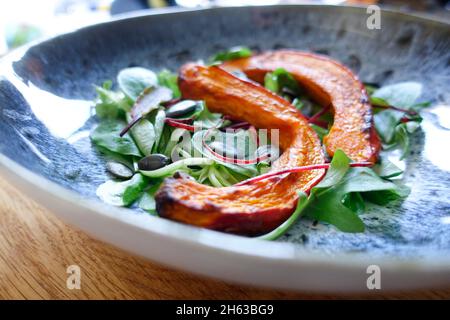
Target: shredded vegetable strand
<point>179,124</point>
<point>316,116</point>
<point>299,169</point>
<point>227,159</point>
<point>227,175</point>
<point>238,125</point>
<point>214,179</point>
<point>410,112</point>
<point>129,126</point>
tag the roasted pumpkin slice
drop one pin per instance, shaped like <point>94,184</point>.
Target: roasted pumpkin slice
<point>330,84</point>
<point>258,207</point>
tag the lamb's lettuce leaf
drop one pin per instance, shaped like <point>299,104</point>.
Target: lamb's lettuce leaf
<point>110,104</point>
<point>338,198</point>
<point>107,135</point>
<point>133,81</point>
<point>395,126</point>
<point>123,193</point>
<point>280,80</point>
<point>231,54</point>
<point>169,80</point>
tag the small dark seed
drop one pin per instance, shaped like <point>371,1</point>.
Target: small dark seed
<point>181,109</point>
<point>153,162</point>
<point>119,170</point>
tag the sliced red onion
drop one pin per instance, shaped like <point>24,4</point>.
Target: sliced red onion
<point>299,169</point>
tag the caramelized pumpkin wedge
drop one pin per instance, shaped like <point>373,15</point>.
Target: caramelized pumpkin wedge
<point>329,83</point>
<point>258,207</point>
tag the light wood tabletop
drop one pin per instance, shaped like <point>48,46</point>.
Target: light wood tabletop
<point>36,248</point>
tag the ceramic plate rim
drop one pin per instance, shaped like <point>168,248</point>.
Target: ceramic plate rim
<point>285,253</point>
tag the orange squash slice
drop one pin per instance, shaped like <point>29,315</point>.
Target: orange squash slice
<point>258,207</point>
<point>330,84</point>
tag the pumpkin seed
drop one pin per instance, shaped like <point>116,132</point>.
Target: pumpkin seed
<point>119,170</point>
<point>153,162</point>
<point>181,109</point>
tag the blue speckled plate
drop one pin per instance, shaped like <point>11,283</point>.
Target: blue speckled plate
<point>45,118</point>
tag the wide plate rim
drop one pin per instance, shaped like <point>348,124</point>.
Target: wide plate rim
<point>283,253</point>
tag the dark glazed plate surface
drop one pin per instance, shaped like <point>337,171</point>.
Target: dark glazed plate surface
<point>46,92</point>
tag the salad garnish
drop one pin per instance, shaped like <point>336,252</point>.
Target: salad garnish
<point>147,132</point>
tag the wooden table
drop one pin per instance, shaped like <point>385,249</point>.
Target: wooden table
<point>36,248</point>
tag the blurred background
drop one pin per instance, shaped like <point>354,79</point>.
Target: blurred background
<point>22,21</point>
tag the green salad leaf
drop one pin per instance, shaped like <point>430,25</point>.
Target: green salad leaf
<point>371,87</point>
<point>133,81</point>
<point>231,54</point>
<point>401,139</point>
<point>164,140</point>
<point>354,201</point>
<point>122,193</point>
<point>338,198</point>
<point>298,104</point>
<point>329,202</point>
<point>126,160</point>
<point>147,201</point>
<point>206,119</point>
<point>144,134</point>
<point>107,135</point>
<point>158,122</point>
<point>401,95</point>
<point>169,80</point>
<point>280,80</point>
<point>386,169</point>
<point>394,126</point>
<point>386,122</point>
<point>321,132</point>
<point>285,226</point>
<point>110,104</point>
<point>149,100</point>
